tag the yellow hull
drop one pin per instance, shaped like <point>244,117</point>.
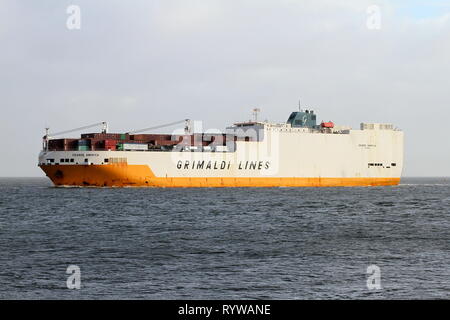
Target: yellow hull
<point>122,175</point>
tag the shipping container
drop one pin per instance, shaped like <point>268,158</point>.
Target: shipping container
<point>327,124</point>
<point>110,142</point>
<point>84,142</point>
<point>135,146</point>
<point>103,136</point>
<point>221,148</point>
<point>62,144</point>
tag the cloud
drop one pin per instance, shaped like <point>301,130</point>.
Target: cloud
<point>151,62</point>
<point>186,16</point>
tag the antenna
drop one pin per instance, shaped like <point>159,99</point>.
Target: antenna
<point>105,127</point>
<point>45,140</point>
<point>187,126</point>
<point>255,114</point>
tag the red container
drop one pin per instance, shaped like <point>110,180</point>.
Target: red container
<point>110,142</point>
<point>327,124</point>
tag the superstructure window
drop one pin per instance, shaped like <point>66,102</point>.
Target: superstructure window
<point>106,160</point>
<point>61,160</point>
<point>375,164</point>
<point>72,160</point>
<point>117,160</point>
<point>67,160</point>
<point>393,164</point>
<point>86,160</point>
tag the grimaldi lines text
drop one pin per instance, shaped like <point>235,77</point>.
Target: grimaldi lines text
<point>298,153</point>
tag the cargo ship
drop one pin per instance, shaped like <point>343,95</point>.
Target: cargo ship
<point>297,153</point>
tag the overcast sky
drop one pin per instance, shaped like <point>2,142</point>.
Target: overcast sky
<point>142,63</point>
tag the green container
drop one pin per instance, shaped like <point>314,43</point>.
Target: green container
<point>84,148</point>
<point>120,147</point>
<point>123,136</point>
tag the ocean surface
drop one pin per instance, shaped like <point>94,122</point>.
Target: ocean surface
<point>245,243</point>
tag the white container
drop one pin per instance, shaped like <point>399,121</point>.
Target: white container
<point>135,146</point>
<point>221,148</point>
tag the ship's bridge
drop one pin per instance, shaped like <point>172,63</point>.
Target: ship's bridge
<point>257,130</point>
<point>247,131</point>
<point>303,119</point>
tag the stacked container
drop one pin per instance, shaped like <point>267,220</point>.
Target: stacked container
<point>62,144</point>
<point>106,136</point>
<point>132,146</point>
<point>110,144</point>
<point>84,145</point>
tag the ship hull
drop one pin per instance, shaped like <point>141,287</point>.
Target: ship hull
<point>141,176</point>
